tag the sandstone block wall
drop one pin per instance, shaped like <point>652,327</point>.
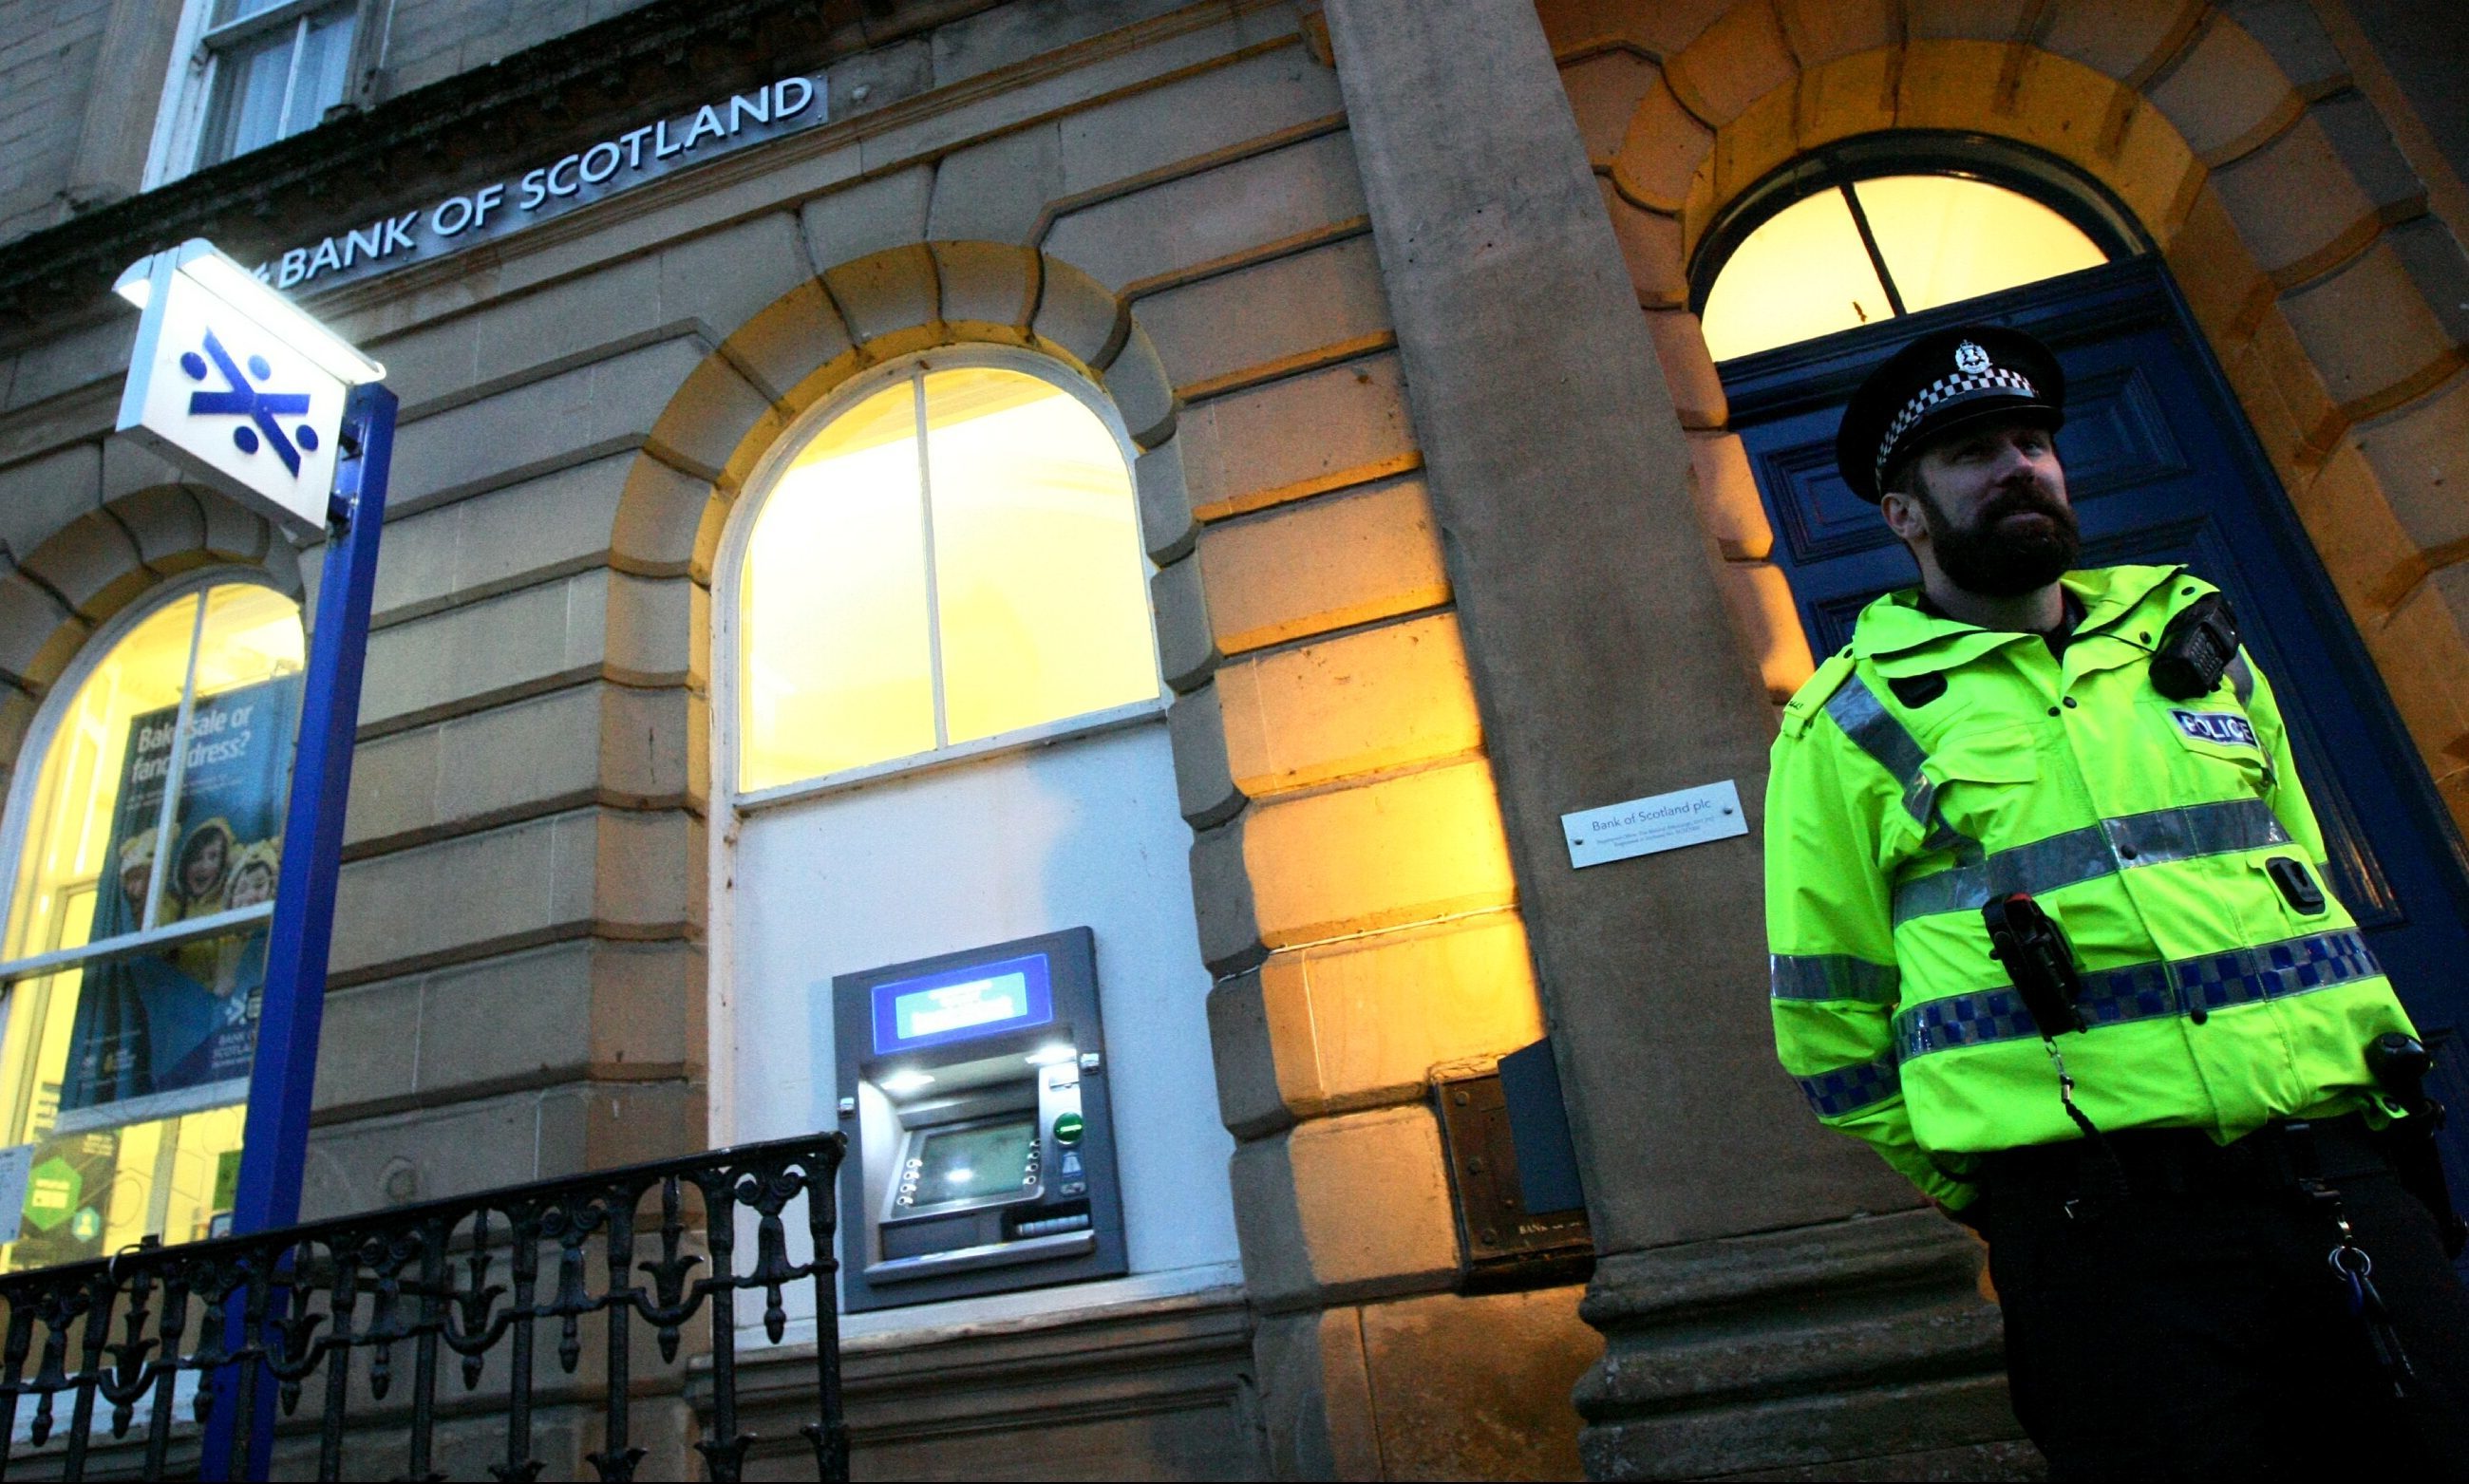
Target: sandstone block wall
<point>424,40</point>
<point>82,81</point>
<point>47,58</point>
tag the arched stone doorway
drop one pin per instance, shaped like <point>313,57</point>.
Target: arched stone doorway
<point>2271,186</point>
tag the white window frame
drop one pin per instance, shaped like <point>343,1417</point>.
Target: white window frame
<point>728,577</point>
<point>189,86</point>
<point>37,750</point>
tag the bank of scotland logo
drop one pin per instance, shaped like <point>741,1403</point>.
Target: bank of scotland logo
<point>242,398</point>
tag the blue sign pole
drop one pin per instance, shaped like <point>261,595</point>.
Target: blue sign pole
<point>274,1145</point>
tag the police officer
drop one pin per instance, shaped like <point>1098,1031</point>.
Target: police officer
<point>2207,1265</point>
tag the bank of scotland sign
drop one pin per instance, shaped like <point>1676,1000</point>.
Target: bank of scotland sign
<point>237,386</point>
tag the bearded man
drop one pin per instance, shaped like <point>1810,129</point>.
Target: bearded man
<point>2052,934</point>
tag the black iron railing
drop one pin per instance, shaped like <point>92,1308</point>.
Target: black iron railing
<point>293,1309</point>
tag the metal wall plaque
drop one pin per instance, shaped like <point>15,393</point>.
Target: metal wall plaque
<point>1660,822</point>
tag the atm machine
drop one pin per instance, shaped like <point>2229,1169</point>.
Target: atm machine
<point>981,1149</point>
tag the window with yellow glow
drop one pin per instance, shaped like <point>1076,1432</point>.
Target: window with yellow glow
<point>953,559</point>
<point>132,971</point>
<point>1866,250</point>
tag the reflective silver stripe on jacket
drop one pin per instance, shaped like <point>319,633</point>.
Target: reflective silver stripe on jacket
<point>1857,709</point>
<point>1874,730</point>
<point>1833,976</point>
<point>2095,851</point>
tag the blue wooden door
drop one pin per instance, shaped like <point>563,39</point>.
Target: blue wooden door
<point>2163,468</point>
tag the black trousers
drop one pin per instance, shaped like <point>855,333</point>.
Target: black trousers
<point>2192,1328</point>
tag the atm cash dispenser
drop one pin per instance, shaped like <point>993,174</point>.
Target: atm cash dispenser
<point>982,1152</point>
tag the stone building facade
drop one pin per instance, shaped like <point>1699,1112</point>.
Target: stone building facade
<point>1447,533</point>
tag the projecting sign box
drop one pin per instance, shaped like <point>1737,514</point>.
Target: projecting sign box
<point>237,402</point>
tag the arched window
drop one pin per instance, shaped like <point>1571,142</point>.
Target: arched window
<point>951,559</point>
<point>934,587</point>
<point>1892,225</point>
<point>144,837</point>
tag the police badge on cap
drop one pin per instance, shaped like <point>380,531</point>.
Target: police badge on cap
<point>1940,384</point>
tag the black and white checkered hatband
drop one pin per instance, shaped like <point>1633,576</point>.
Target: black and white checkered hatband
<point>1954,388</point>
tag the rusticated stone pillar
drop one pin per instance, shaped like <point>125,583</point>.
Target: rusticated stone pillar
<point>1605,668</point>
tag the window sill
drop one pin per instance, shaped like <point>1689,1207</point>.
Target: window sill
<point>1045,734</point>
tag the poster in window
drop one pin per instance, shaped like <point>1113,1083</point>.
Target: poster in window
<point>174,1032</point>
<point>69,1189</point>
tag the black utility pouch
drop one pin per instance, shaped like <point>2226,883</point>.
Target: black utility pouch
<point>2196,649</point>
<point>2296,884</point>
<point>2027,942</point>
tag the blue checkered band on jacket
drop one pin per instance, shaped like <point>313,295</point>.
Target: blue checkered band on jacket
<point>1848,1089</point>
<point>2145,992</point>
<point>1937,394</point>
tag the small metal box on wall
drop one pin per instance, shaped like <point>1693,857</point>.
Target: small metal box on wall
<point>1514,1176</point>
<point>973,1090</point>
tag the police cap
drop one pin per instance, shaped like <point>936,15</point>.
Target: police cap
<point>1943,384</point>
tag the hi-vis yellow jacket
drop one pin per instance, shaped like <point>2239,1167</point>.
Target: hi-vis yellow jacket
<point>2143,825</point>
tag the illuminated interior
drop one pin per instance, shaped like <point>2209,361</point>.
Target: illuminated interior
<point>100,1186</point>
<point>1808,270</point>
<point>952,559</point>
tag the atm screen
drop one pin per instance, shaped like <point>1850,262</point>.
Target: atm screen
<point>963,1004</point>
<point>981,1160</point>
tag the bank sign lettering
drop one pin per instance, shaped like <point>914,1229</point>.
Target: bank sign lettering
<point>226,399</point>
<point>612,165</point>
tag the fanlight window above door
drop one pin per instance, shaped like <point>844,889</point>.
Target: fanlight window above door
<point>1860,251</point>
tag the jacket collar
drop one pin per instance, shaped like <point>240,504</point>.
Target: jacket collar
<point>2110,593</point>
<point>1897,637</point>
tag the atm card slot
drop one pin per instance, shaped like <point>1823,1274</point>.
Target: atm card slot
<point>994,1254</point>
<point>944,1234</point>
